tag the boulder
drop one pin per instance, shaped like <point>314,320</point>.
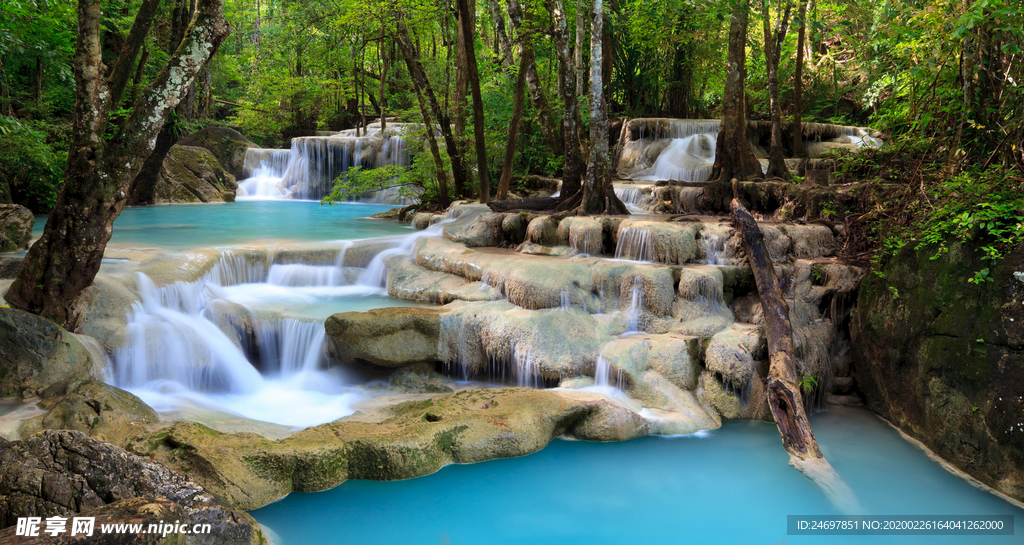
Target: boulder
<point>94,408</point>
<point>389,337</point>
<point>943,359</point>
<point>228,146</point>
<point>192,174</point>
<point>420,378</point>
<point>35,353</point>
<point>401,441</point>
<point>16,223</point>
<point>66,473</point>
<point>9,267</point>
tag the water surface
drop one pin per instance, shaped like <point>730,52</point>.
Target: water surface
<point>732,485</point>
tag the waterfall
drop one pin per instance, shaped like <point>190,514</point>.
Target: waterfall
<point>689,159</point>
<point>636,308</point>
<point>221,342</point>
<point>309,169</point>
<point>603,373</point>
<point>376,272</point>
<point>669,149</point>
<point>636,244</point>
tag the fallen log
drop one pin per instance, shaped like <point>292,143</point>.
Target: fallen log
<point>784,397</point>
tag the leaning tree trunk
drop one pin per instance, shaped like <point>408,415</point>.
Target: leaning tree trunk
<point>783,385</point>
<point>733,156</point>
<point>419,78</point>
<point>598,194</point>
<point>513,129</point>
<point>458,105</point>
<point>466,34</point>
<point>773,54</point>
<point>522,23</point>
<point>65,259</point>
<point>573,163</point>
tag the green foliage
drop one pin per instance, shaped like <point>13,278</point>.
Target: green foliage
<point>34,158</point>
<point>808,383</point>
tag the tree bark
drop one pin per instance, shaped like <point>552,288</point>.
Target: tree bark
<point>67,256</point>
<point>522,23</point>
<point>513,130</point>
<point>773,54</point>
<point>573,163</point>
<point>461,91</point>
<point>466,19</point>
<point>733,156</point>
<point>783,384</point>
<point>798,82</point>
<point>598,195</point>
<point>419,78</point>
<point>504,45</point>
<point>383,79</point>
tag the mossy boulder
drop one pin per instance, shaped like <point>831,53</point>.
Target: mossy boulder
<point>943,358</point>
<point>228,146</point>
<point>36,353</point>
<point>401,441</point>
<point>94,408</point>
<point>389,337</point>
<point>16,223</point>
<point>192,174</point>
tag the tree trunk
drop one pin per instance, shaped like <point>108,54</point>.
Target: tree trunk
<point>65,259</point>
<point>573,163</point>
<point>513,130</point>
<point>798,82</point>
<point>461,91</point>
<point>466,33</point>
<point>383,78</point>
<point>580,65</point>
<point>598,194</point>
<point>504,45</point>
<point>773,54</point>
<point>552,137</point>
<point>733,156</point>
<point>419,78</point>
<point>783,384</point>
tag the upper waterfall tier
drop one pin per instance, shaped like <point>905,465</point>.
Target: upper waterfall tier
<point>309,169</point>
<point>684,149</point>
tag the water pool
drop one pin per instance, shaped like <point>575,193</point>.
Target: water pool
<point>732,485</point>
<point>193,226</point>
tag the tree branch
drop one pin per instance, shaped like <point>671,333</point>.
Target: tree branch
<point>118,79</point>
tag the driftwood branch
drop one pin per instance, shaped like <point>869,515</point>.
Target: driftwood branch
<point>783,385</point>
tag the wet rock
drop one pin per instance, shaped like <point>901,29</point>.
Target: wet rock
<point>66,473</point>
<point>476,226</point>
<point>192,175</point>
<point>542,231</point>
<point>420,378</point>
<point>35,353</point>
<point>104,309</point>
<point>410,282</point>
<point>94,408</point>
<point>401,441</point>
<point>551,343</point>
<point>362,252</point>
<point>16,223</point>
<point>9,267</point>
<point>943,359</point>
<point>228,146</point>
<point>668,243</point>
<point>389,337</point>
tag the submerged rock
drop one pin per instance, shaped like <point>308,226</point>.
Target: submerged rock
<point>35,353</point>
<point>16,223</point>
<point>66,473</point>
<point>943,359</point>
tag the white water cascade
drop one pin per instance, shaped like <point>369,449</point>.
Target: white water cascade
<point>226,343</point>
<point>309,169</point>
<point>669,149</point>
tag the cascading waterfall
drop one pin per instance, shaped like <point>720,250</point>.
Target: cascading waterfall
<point>309,169</point>
<point>635,244</point>
<point>670,149</point>
<point>210,344</point>
<point>376,272</point>
<point>603,374</point>
<point>636,308</point>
